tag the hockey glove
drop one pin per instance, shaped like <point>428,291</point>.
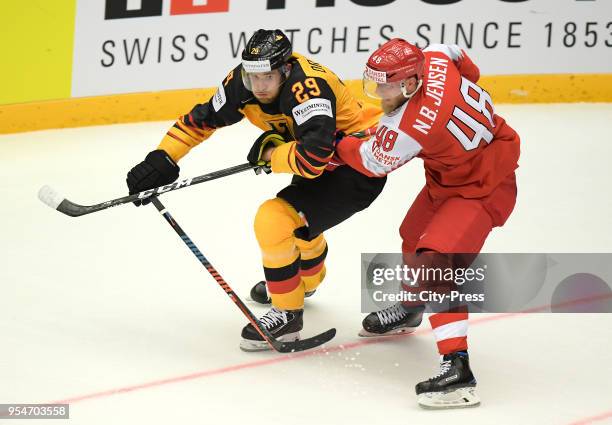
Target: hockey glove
<point>265,140</point>
<point>156,170</point>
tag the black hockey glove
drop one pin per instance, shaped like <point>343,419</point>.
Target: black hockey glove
<point>265,140</point>
<point>156,170</point>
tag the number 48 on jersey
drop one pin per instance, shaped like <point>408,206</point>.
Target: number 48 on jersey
<point>480,102</point>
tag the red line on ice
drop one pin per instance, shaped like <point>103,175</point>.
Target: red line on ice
<point>593,419</point>
<point>258,363</point>
<point>335,348</point>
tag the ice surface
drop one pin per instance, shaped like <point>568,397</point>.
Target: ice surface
<point>111,312</point>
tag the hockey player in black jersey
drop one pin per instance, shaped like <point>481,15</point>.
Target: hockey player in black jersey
<point>299,105</point>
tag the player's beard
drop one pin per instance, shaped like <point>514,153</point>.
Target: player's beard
<point>268,96</point>
<point>390,105</point>
<point>265,100</point>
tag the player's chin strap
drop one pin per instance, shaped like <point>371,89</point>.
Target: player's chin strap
<point>405,92</point>
<point>285,70</point>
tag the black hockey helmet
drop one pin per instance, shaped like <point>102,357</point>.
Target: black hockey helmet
<point>266,50</point>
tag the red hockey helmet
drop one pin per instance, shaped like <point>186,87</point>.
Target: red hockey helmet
<point>389,66</point>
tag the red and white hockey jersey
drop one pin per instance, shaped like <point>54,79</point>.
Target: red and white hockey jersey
<point>451,124</point>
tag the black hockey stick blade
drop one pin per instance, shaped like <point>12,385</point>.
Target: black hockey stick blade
<point>52,198</point>
<point>304,344</point>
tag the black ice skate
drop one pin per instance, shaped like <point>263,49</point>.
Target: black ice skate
<point>259,293</point>
<point>393,320</point>
<point>284,325</point>
<point>453,386</point>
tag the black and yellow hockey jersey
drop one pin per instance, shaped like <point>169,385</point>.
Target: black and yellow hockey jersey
<point>312,105</point>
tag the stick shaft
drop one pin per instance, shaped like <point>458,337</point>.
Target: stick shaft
<point>213,272</point>
<point>72,209</point>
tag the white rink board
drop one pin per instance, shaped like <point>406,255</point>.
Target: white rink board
<point>197,50</point>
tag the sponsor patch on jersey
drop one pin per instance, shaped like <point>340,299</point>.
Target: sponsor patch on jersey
<point>313,107</point>
<point>219,98</point>
<point>256,66</point>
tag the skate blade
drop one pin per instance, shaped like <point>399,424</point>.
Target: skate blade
<point>365,334</point>
<point>252,346</point>
<point>454,399</point>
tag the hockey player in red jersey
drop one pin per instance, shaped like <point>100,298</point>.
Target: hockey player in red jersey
<point>435,110</point>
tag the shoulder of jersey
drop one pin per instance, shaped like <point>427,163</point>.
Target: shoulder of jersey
<point>452,51</point>
<point>310,68</point>
<point>302,69</point>
<point>405,120</point>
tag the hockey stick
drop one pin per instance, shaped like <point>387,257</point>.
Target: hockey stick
<point>281,347</point>
<point>49,196</point>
